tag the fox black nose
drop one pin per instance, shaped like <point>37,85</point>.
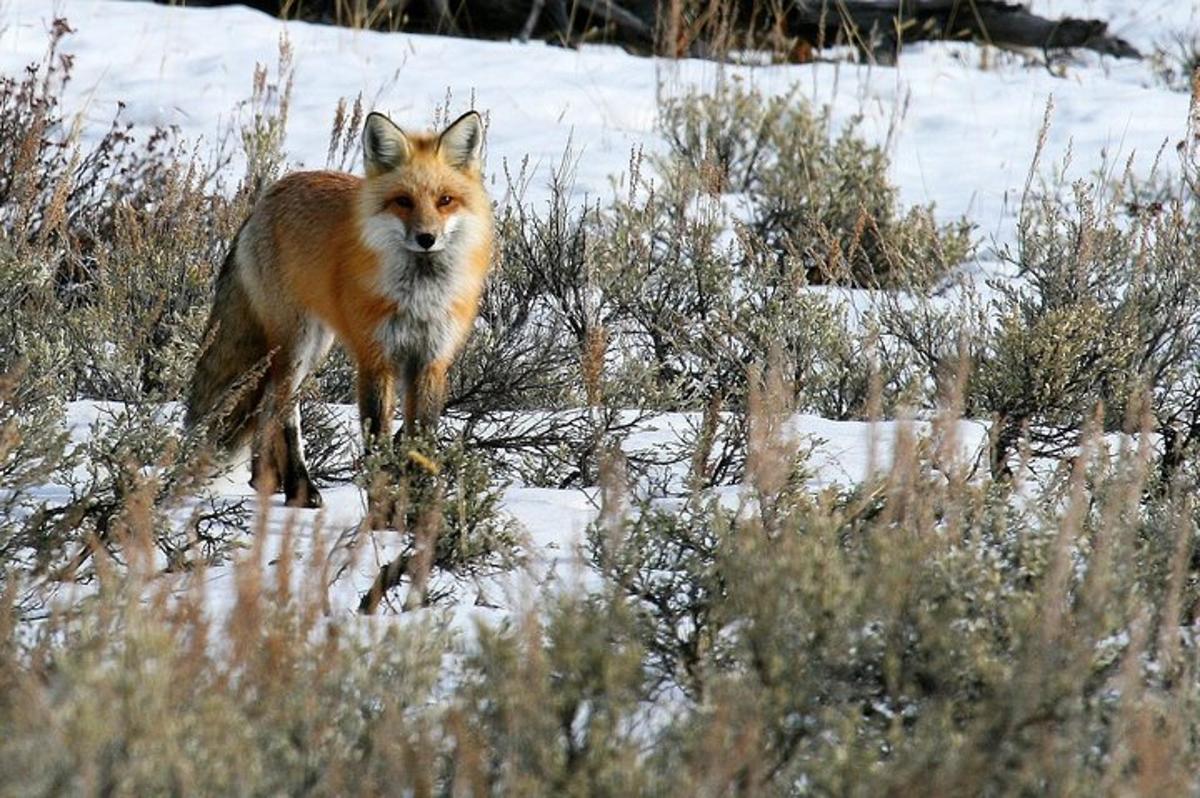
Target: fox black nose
<point>425,240</point>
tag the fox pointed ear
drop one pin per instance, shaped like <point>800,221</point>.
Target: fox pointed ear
<point>385,147</point>
<point>461,144</point>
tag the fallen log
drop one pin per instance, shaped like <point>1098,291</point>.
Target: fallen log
<point>879,28</point>
<point>884,26</point>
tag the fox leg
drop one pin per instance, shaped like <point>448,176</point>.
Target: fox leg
<point>281,445</point>
<point>267,459</point>
<point>281,452</point>
<point>297,484</point>
<point>312,344</point>
<point>376,403</point>
<point>424,395</point>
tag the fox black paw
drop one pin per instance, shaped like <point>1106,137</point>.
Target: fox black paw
<point>309,498</point>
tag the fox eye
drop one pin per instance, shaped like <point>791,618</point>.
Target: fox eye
<point>444,200</point>
<point>403,201</point>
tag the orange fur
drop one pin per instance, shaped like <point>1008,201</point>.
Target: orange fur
<point>325,266</point>
<point>392,265</point>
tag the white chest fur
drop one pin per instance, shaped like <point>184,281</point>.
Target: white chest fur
<point>423,328</point>
<point>424,287</point>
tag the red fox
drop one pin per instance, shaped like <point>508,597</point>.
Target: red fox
<point>392,265</point>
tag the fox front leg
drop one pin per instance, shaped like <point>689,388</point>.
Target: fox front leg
<point>424,397</point>
<point>376,404</point>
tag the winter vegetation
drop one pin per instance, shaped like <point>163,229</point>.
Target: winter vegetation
<point>762,473</point>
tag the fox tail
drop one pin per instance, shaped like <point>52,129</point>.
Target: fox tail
<point>230,377</point>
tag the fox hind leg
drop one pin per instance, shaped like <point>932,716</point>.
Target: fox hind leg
<point>267,456</point>
<point>281,438</point>
<point>297,484</point>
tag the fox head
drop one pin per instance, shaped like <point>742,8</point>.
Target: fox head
<point>423,191</point>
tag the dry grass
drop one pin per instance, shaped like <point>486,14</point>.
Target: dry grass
<point>914,635</point>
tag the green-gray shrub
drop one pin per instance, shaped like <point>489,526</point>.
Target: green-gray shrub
<point>814,194</point>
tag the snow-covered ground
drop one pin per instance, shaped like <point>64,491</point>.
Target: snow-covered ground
<point>962,137</point>
<point>552,522</point>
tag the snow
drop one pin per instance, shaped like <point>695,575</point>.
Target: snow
<point>553,522</point>
<point>962,137</point>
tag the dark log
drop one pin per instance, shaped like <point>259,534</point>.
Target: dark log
<point>886,25</point>
<point>1033,31</point>
<point>880,27</point>
<point>626,22</point>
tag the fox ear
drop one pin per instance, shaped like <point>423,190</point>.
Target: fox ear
<point>385,147</point>
<point>461,144</point>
